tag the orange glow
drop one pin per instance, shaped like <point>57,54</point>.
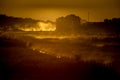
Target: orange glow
<point>30,29</point>
<point>42,26</point>
<point>47,26</point>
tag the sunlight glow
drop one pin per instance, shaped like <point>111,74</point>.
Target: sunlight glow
<point>41,26</point>
<point>58,57</point>
<point>47,26</point>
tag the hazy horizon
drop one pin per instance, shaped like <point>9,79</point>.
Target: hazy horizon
<point>50,10</point>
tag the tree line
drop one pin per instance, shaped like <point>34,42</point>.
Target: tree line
<point>68,24</point>
<point>73,23</point>
<point>14,23</point>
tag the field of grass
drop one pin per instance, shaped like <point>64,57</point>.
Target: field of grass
<point>27,58</point>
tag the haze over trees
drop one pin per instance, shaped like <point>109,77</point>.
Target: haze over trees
<point>70,24</point>
<point>73,24</point>
<point>14,23</point>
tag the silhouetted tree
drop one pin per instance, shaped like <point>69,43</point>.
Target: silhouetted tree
<point>13,23</point>
<point>70,23</point>
<point>114,24</point>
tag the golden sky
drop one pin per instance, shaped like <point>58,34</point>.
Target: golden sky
<point>52,9</point>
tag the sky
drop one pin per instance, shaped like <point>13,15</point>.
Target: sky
<point>51,9</point>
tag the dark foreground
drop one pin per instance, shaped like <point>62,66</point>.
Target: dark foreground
<point>18,62</point>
